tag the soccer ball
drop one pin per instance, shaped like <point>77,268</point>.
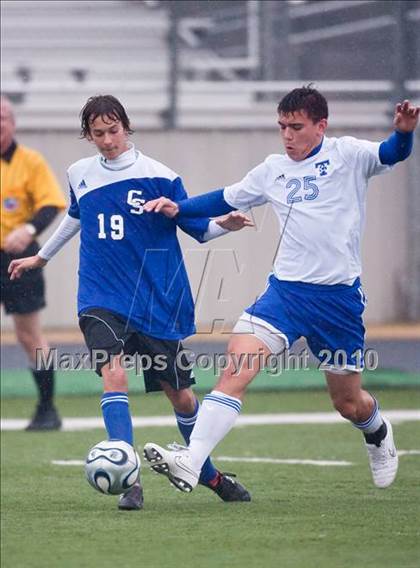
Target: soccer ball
<point>112,466</point>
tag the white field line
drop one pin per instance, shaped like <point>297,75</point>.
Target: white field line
<point>408,452</point>
<point>68,462</point>
<point>244,460</point>
<point>277,461</point>
<point>323,463</point>
<point>74,424</point>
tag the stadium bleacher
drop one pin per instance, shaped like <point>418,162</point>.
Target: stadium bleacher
<point>56,54</point>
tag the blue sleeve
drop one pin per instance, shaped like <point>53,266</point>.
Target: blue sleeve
<point>212,204</point>
<point>74,206</point>
<point>193,226</point>
<point>396,148</point>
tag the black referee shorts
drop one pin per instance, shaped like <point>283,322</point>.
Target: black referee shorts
<point>27,294</point>
<point>108,333</point>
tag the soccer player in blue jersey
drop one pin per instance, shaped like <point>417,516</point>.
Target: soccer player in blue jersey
<point>318,192</point>
<point>134,296</point>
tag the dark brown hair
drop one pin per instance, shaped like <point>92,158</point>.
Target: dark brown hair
<point>305,98</point>
<point>102,105</point>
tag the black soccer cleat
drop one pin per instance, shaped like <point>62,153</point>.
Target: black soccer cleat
<point>44,419</point>
<point>228,489</point>
<point>132,500</point>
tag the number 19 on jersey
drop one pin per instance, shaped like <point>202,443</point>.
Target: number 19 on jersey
<point>116,225</point>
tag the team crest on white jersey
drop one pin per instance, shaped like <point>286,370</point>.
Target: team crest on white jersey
<point>136,202</point>
<point>323,167</point>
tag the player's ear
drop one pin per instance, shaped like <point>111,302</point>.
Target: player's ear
<point>322,125</point>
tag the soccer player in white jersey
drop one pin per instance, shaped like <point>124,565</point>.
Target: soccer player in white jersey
<point>318,192</point>
<point>134,296</point>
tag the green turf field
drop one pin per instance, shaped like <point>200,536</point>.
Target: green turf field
<point>301,516</point>
<point>19,382</point>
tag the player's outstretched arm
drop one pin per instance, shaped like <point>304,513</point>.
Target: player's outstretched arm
<point>234,221</point>
<point>20,265</point>
<point>162,205</point>
<point>406,117</point>
<point>220,226</point>
<point>65,231</point>
<point>212,204</point>
<point>398,146</point>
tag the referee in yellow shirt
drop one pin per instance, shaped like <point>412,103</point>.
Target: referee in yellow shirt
<point>30,200</point>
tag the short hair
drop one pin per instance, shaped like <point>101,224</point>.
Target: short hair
<point>305,99</point>
<point>103,105</point>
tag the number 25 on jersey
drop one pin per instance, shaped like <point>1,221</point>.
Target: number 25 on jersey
<point>309,193</point>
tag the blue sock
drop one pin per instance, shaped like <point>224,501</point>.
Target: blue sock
<point>117,418</point>
<point>186,424</point>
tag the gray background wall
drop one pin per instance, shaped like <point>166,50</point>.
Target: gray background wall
<point>227,274</point>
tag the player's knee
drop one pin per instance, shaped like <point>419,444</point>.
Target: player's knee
<point>347,408</point>
<point>183,400</point>
<point>114,379</point>
<point>26,339</point>
<point>240,373</point>
<point>232,384</point>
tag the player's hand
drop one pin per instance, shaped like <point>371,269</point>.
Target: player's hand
<point>406,117</point>
<point>18,240</point>
<point>162,205</point>
<point>234,221</point>
<point>20,265</point>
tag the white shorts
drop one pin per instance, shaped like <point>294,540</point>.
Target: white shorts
<point>275,340</point>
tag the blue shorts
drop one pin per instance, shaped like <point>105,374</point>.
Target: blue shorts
<point>329,317</point>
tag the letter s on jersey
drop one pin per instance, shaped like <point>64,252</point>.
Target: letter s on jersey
<point>136,202</point>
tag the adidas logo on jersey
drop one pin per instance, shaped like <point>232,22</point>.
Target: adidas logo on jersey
<point>281,177</point>
<point>82,185</point>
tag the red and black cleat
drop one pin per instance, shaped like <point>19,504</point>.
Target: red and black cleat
<point>227,488</point>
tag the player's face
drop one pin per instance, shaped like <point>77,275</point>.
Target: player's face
<point>300,134</point>
<point>109,136</point>
<point>7,125</point>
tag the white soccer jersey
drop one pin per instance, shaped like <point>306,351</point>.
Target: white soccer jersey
<point>320,203</point>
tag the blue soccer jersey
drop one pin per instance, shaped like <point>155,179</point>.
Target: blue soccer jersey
<point>130,261</point>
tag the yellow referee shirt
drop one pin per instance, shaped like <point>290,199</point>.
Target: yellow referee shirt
<point>27,185</point>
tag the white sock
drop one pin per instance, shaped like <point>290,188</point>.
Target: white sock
<point>216,417</point>
<point>373,423</point>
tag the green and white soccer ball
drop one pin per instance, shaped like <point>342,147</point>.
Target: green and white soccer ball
<point>112,466</point>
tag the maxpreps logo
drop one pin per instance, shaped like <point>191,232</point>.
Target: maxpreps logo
<point>322,167</point>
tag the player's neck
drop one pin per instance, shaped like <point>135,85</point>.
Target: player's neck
<point>315,149</point>
<point>124,160</point>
